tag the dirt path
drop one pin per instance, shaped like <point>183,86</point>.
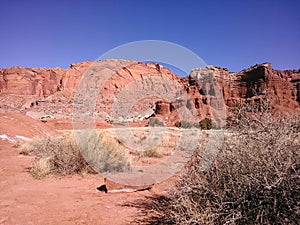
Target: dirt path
<point>71,200</point>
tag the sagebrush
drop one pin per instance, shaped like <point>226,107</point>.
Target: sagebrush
<point>62,155</point>
<point>255,179</point>
<point>57,155</point>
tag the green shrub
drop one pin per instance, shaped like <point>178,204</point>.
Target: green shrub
<point>207,124</point>
<point>184,124</point>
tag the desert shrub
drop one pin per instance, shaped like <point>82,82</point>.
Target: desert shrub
<point>151,153</point>
<point>207,124</point>
<point>62,156</point>
<point>41,167</point>
<point>254,180</point>
<point>155,122</point>
<point>177,124</point>
<point>148,143</point>
<point>103,152</point>
<point>244,117</point>
<point>58,155</point>
<point>147,153</point>
<point>184,124</point>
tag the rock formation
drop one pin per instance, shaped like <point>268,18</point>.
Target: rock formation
<point>149,90</point>
<point>258,84</point>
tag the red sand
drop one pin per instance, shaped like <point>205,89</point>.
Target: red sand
<point>52,200</point>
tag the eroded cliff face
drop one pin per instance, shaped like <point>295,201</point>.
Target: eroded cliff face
<point>259,86</point>
<point>146,87</point>
<point>51,91</point>
<point>30,81</point>
<point>19,86</point>
<point>260,83</point>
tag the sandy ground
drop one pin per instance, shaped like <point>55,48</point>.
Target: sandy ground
<point>52,200</point>
<point>70,200</point>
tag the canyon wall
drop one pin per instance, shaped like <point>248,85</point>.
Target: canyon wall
<point>206,91</point>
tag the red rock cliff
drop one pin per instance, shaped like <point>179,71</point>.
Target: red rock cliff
<point>51,90</point>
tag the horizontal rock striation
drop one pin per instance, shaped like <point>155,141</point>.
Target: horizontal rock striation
<point>137,91</point>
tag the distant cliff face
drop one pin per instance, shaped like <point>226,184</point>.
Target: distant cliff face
<point>206,89</point>
<point>211,89</point>
<point>255,85</point>
<point>20,85</point>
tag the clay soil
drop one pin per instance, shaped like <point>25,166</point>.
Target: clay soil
<point>54,200</point>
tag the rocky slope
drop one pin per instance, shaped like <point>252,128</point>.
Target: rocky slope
<point>146,90</point>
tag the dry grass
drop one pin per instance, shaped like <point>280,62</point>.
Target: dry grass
<point>93,151</point>
<point>90,151</point>
<point>254,180</point>
<point>146,146</point>
<point>57,155</point>
<point>98,151</point>
<point>41,167</point>
<point>103,152</point>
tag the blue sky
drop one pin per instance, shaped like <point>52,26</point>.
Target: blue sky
<point>231,34</point>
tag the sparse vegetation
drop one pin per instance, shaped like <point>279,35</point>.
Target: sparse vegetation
<point>89,151</point>
<point>207,124</point>
<point>184,124</point>
<point>155,122</point>
<point>254,180</point>
<point>103,152</point>
<point>61,155</point>
<point>150,153</point>
<point>57,155</point>
<point>41,167</point>
<point>150,144</point>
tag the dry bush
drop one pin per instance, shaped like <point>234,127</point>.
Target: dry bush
<point>57,155</point>
<point>41,167</point>
<point>255,179</point>
<point>146,145</point>
<point>155,122</point>
<point>151,150</point>
<point>103,152</point>
<point>152,153</point>
<point>62,155</point>
<point>185,124</point>
<point>86,151</point>
<point>148,153</point>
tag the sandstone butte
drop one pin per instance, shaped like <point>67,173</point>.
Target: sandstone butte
<point>148,87</point>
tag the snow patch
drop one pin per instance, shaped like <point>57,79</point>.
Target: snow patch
<point>13,140</point>
<point>6,138</point>
<point>23,138</point>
